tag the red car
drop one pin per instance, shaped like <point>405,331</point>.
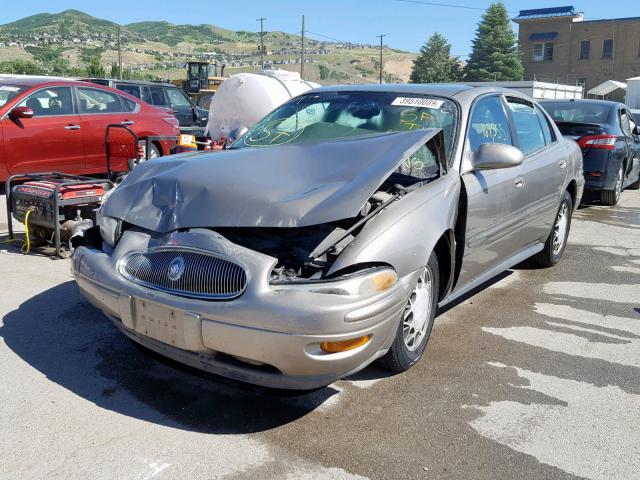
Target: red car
<point>51,124</point>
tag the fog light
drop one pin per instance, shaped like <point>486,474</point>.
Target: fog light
<point>344,345</point>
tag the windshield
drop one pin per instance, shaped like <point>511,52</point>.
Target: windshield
<point>577,112</point>
<point>330,115</point>
<point>7,92</point>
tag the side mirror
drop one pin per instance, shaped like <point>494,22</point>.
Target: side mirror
<point>21,112</point>
<point>491,156</point>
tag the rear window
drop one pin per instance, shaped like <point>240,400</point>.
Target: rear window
<point>577,112</point>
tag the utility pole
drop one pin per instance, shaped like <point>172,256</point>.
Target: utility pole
<point>261,20</point>
<point>119,56</point>
<point>381,36</point>
<point>302,52</point>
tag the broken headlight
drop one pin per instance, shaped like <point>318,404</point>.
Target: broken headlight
<point>365,282</point>
<point>110,230</point>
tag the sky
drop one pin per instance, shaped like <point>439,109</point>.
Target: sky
<point>406,25</point>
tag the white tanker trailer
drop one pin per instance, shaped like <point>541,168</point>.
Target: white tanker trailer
<point>245,98</point>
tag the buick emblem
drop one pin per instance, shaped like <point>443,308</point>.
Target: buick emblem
<point>176,269</point>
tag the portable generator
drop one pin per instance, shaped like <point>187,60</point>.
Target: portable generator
<point>54,206</point>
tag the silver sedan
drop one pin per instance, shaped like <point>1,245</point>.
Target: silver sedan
<point>328,235</point>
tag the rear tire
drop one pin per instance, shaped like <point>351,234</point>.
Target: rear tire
<point>612,197</point>
<point>557,241</point>
<point>414,328</point>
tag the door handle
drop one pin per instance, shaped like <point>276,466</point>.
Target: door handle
<point>127,122</point>
<point>563,164</point>
<point>519,181</point>
<point>72,127</point>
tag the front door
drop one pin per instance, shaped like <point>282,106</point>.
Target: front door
<point>51,140</point>
<point>493,196</point>
<point>181,106</point>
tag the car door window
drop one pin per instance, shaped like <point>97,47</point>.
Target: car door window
<point>177,100</point>
<point>50,102</point>
<point>547,131</point>
<point>133,90</point>
<point>146,95</point>
<point>527,125</point>
<point>157,96</point>
<point>488,123</point>
<point>94,101</point>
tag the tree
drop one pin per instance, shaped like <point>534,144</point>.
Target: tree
<point>494,55</point>
<point>95,68</point>
<point>435,64</point>
<point>114,70</point>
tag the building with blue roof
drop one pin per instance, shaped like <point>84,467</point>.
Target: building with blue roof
<point>559,45</point>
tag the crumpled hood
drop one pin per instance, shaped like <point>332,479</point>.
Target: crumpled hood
<point>280,186</point>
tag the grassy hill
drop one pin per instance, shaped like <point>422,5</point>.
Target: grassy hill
<point>72,21</point>
<point>155,48</point>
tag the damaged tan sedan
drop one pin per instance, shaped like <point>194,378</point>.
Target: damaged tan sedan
<point>327,236</point>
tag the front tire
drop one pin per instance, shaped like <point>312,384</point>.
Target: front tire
<point>612,197</point>
<point>557,241</point>
<point>414,328</point>
<point>635,185</point>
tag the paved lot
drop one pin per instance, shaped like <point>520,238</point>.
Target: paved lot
<point>536,376</point>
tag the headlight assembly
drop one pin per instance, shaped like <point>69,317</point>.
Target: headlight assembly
<point>362,283</point>
<point>110,230</point>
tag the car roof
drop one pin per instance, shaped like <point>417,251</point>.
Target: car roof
<point>30,80</point>
<point>460,91</point>
<point>133,82</point>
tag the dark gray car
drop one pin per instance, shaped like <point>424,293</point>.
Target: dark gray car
<point>327,236</point>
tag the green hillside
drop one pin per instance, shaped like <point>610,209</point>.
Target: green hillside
<point>72,21</point>
<point>73,43</point>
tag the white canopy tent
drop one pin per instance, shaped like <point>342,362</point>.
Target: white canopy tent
<point>633,93</point>
<point>606,88</point>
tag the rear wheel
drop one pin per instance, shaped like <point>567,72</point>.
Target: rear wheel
<point>611,197</point>
<point>557,241</point>
<point>416,324</point>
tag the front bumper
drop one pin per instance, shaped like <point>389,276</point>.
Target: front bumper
<point>266,337</point>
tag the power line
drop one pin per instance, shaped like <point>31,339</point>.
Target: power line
<point>449,5</point>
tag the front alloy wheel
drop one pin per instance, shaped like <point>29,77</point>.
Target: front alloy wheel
<point>416,323</point>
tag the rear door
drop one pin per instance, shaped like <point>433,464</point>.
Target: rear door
<point>493,196</point>
<point>633,147</point>
<point>51,140</point>
<point>544,169</point>
<point>98,109</point>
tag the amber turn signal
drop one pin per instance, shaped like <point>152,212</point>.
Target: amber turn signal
<point>344,345</point>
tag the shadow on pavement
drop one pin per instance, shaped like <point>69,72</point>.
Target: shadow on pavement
<point>77,347</point>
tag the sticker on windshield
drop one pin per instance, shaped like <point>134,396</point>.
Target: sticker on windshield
<point>417,102</point>
<point>6,88</point>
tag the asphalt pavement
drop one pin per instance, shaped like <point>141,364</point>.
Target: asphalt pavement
<point>536,375</point>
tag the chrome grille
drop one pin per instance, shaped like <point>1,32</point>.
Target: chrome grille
<point>202,275</point>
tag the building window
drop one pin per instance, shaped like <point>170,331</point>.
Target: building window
<point>542,52</point>
<point>607,48</point>
<point>585,49</point>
